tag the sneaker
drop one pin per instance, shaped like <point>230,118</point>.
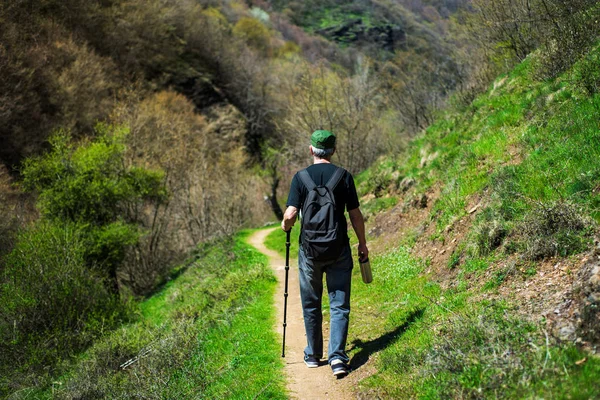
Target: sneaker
<point>311,362</point>
<point>339,368</point>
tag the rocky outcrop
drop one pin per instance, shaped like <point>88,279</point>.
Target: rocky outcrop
<point>385,36</point>
<point>587,293</point>
<point>577,318</point>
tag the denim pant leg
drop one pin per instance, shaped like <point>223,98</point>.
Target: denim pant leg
<point>339,277</point>
<point>311,294</point>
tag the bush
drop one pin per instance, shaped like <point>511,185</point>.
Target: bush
<point>563,29</point>
<point>586,73</point>
<point>169,135</point>
<point>488,233</point>
<point>571,30</point>
<point>491,353</point>
<point>53,304</point>
<point>555,229</point>
<point>89,183</point>
<point>15,209</point>
<point>91,186</point>
<point>253,32</point>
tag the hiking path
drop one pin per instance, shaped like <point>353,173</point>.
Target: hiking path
<point>302,382</point>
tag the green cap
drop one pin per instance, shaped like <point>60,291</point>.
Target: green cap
<point>322,140</point>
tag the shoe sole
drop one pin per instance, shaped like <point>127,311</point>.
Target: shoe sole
<point>311,365</point>
<point>340,371</point>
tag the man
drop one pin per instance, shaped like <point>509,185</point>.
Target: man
<point>337,266</point>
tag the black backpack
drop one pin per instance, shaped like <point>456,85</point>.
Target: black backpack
<point>320,236</point>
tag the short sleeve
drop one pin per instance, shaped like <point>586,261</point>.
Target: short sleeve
<point>295,193</point>
<point>352,197</point>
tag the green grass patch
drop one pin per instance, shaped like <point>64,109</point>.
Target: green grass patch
<point>433,343</point>
<point>207,334</point>
<point>378,205</point>
<point>527,147</point>
<point>276,241</point>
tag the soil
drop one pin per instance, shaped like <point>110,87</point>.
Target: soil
<point>302,382</point>
<point>543,294</point>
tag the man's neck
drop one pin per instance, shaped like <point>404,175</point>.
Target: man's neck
<point>317,160</point>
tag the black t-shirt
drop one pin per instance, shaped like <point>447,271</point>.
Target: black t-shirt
<point>344,193</point>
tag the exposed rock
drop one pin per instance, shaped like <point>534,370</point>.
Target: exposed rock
<point>406,184</point>
<point>567,332</point>
<point>577,318</point>
<point>386,36</point>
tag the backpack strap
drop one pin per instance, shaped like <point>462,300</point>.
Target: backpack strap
<point>307,180</point>
<point>335,179</point>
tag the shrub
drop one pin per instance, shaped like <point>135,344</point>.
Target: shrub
<point>15,209</point>
<point>555,229</point>
<point>563,29</point>
<point>52,303</point>
<point>586,74</point>
<point>572,29</point>
<point>91,186</point>
<point>169,135</point>
<point>488,233</point>
<point>484,351</point>
<point>253,32</point>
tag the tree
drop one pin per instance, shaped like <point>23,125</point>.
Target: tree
<point>90,186</point>
<point>348,106</point>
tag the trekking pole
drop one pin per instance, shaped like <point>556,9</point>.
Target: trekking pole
<point>285,292</point>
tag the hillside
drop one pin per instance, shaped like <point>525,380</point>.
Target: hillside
<point>137,138</point>
<point>482,239</point>
<point>479,291</point>
<point>378,27</point>
<point>487,224</point>
<point>206,334</point>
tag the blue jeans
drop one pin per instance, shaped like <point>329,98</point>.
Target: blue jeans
<point>338,275</point>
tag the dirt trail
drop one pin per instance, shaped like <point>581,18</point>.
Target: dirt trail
<point>303,383</point>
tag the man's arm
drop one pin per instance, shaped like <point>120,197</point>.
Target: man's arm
<point>358,223</point>
<point>289,218</point>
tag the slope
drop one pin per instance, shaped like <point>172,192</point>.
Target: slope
<point>206,334</point>
<point>498,204</point>
<point>482,237</point>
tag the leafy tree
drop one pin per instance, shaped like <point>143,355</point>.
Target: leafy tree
<point>253,32</point>
<point>91,187</point>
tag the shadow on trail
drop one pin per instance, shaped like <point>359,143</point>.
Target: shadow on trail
<point>380,343</point>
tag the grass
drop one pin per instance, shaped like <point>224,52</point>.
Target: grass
<point>207,334</point>
<point>427,342</point>
<point>523,147</point>
<point>433,343</point>
<point>531,152</point>
<point>276,241</point>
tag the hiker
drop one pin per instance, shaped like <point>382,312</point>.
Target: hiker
<point>325,248</point>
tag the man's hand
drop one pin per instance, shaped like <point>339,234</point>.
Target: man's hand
<point>363,251</point>
<point>289,218</point>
